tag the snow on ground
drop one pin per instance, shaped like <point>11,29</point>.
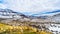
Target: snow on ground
<point>55,28</point>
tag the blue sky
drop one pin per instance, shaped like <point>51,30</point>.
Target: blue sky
<point>30,7</point>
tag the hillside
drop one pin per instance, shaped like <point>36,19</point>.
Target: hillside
<point>14,20</point>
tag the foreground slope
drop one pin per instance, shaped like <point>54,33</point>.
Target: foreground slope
<point>7,29</point>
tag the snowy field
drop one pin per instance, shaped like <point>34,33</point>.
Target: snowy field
<point>55,28</point>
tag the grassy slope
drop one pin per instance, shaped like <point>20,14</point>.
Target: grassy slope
<point>7,29</point>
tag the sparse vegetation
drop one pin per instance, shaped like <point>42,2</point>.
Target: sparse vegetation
<point>7,29</point>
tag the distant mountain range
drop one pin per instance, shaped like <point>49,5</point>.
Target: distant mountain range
<point>7,13</point>
<point>46,13</point>
<point>10,14</point>
<point>56,17</point>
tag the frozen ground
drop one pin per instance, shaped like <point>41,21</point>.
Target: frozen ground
<point>55,28</point>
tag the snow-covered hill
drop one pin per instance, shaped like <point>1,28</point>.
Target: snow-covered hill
<point>7,13</point>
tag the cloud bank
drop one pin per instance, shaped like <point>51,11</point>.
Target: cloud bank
<point>32,6</point>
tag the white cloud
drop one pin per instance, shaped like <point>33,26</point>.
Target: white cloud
<point>3,6</point>
<point>33,5</point>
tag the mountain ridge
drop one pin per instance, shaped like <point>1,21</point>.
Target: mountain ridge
<point>10,14</point>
